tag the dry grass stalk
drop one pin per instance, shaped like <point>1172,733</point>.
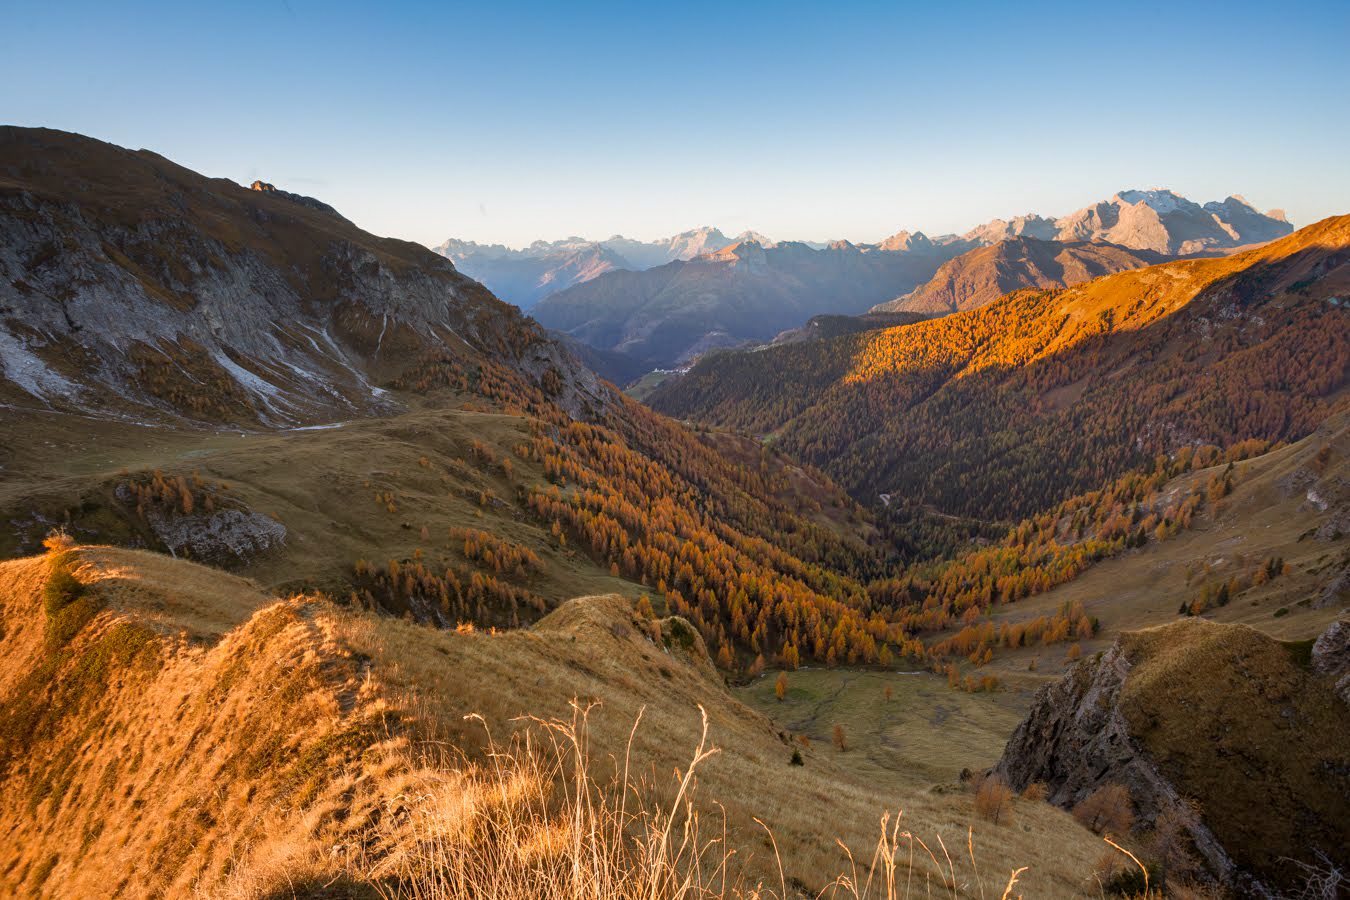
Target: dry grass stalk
<point>534,821</point>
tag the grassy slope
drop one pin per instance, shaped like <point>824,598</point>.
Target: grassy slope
<point>924,730</point>
<point>1221,706</point>
<point>1265,516</point>
<point>247,744</point>
<point>320,484</point>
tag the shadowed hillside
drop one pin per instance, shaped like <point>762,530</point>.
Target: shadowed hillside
<point>1173,719</point>
<point>133,287</point>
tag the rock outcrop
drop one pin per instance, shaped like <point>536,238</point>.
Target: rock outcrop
<point>1181,713</point>
<point>296,198</point>
<point>1331,656</point>
<point>1076,739</point>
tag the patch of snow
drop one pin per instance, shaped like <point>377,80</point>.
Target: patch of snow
<point>264,389</point>
<point>384,323</point>
<point>28,371</point>
<point>1159,200</point>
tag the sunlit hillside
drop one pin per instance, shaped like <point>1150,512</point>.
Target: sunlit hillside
<point>170,729</point>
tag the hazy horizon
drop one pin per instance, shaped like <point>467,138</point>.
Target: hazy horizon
<point>521,123</point>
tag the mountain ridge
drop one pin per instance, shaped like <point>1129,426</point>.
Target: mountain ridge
<point>132,286</point>
<point>970,410</point>
<point>986,273</point>
<point>743,292</point>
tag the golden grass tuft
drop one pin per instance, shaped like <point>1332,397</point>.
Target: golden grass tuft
<point>58,541</point>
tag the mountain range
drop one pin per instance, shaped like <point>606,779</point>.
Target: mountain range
<point>747,291</point>
<point>671,314</point>
<point>527,275</point>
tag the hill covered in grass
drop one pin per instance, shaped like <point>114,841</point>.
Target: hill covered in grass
<point>172,729</point>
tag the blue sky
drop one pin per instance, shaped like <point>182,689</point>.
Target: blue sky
<point>514,121</point>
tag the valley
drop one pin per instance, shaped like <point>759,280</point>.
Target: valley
<point>421,601</point>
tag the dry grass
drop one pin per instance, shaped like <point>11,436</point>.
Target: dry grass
<point>924,734</point>
<point>269,748</point>
<point>1261,743</point>
<point>322,485</point>
<point>533,821</point>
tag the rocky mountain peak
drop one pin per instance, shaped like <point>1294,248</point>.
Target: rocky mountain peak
<point>905,241</point>
<point>1001,229</point>
<point>842,246</point>
<point>1160,200</point>
<point>761,239</point>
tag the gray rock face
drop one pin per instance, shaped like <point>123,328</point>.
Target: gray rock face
<point>1075,740</point>
<point>1227,731</point>
<point>128,284</point>
<point>1165,222</point>
<point>229,535</point>
<point>1331,656</point>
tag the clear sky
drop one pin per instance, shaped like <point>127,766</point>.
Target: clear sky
<point>503,121</point>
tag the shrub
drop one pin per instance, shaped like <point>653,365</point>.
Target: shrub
<point>62,587</point>
<point>839,738</point>
<point>993,799</point>
<point>1170,843</point>
<point>1131,881</point>
<point>1036,792</point>
<point>58,541</point>
<point>780,686</point>
<point>1107,810</point>
<point>797,757</point>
